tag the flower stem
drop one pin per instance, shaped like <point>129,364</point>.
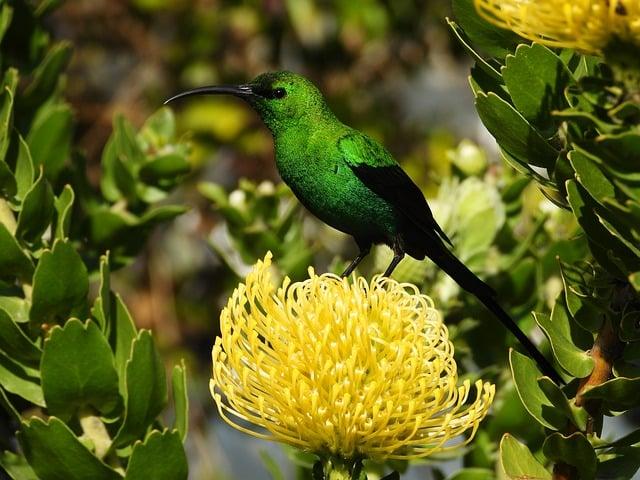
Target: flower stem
<point>336,468</point>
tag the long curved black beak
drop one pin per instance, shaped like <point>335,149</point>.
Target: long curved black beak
<point>235,90</point>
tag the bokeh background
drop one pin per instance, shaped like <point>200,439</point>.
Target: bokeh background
<point>388,67</point>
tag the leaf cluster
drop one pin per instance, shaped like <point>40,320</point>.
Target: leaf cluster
<point>565,121</point>
<point>80,385</point>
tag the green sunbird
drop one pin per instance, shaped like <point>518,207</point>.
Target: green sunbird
<point>352,183</point>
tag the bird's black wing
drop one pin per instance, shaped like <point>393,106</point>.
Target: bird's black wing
<point>378,170</point>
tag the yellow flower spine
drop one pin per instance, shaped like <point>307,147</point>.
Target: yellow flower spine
<point>348,368</point>
<point>584,25</point>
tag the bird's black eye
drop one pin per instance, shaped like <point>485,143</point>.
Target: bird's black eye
<point>278,93</point>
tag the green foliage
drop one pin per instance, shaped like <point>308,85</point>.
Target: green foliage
<point>563,120</point>
<point>258,218</point>
<point>81,387</point>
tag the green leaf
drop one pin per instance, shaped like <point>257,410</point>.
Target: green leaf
<point>50,138</point>
<point>64,208</point>
<point>78,370</point>
<point>16,466</point>
<point>473,474</point>
<point>8,186</point>
<point>60,285</point>
<point>164,167</point>
<point>6,15</point>
<point>180,399</point>
<point>525,376</point>
<point>630,327</point>
<point>16,344</point>
<point>17,308</point>
<point>578,416</point>
<point>121,335</point>
<point>101,309</point>
<point>590,176</point>
<point>146,390</point>
<point>573,450</point>
<point>513,133</point>
<point>618,394</point>
<point>161,456</point>
<point>9,84</point>
<point>8,407</point>
<point>494,41</point>
<point>621,464</point>
<point>24,171</point>
<point>558,330</point>
<point>46,77</point>
<point>480,62</point>
<point>37,210</point>
<point>158,130</point>
<point>518,463</point>
<point>584,209</point>
<point>536,79</point>
<point>13,260</point>
<point>20,380</point>
<point>55,453</point>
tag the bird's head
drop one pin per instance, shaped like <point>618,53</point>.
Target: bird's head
<point>282,99</point>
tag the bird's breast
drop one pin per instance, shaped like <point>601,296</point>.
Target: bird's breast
<point>328,188</point>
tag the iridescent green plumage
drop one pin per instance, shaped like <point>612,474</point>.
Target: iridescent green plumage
<point>352,183</point>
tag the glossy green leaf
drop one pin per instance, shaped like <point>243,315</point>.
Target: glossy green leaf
<point>50,138</point>
<point>180,399</point>
<point>9,84</point>
<point>60,285</point>
<point>46,77</point>
<point>20,380</point>
<point>573,450</point>
<point>492,40</point>
<point>146,390</point>
<point>15,343</point>
<point>578,416</point>
<point>161,456</point>
<point>618,394</point>
<point>590,176</point>
<point>513,133</point>
<point>584,209</point>
<point>518,463</point>
<point>536,79</point>
<point>558,330</point>
<point>55,453</point>
<point>37,210</point>
<point>64,208</point>
<point>13,260</point>
<point>525,376</point>
<point>16,466</point>
<point>17,308</point>
<point>78,370</point>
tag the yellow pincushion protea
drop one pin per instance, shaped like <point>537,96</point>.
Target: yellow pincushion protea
<point>342,367</point>
<point>585,25</point>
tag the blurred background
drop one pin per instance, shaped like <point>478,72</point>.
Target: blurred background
<point>389,68</point>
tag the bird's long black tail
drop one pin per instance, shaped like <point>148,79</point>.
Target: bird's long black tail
<point>448,262</point>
